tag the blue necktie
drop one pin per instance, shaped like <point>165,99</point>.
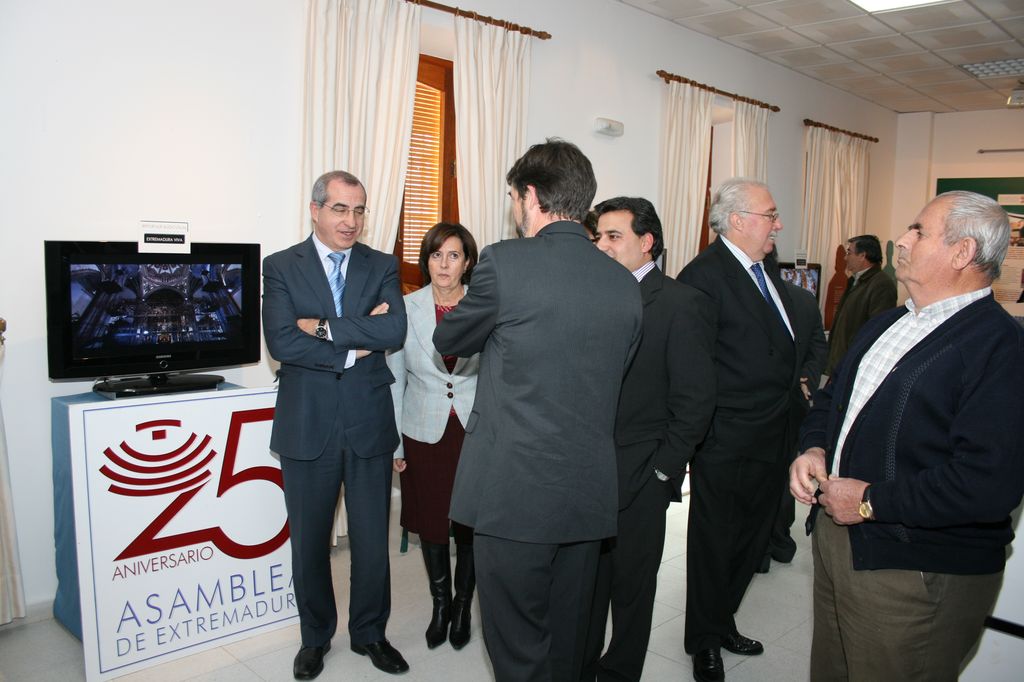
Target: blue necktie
<point>763,286</point>
<point>337,280</point>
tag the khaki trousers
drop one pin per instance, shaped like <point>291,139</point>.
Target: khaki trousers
<point>891,624</point>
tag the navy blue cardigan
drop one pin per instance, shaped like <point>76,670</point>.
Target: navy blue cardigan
<point>941,442</point>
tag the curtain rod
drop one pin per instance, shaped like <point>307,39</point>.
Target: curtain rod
<point>815,124</point>
<point>669,77</point>
<point>507,25</point>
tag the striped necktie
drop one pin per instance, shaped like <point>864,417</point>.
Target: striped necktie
<point>337,281</point>
<point>763,285</point>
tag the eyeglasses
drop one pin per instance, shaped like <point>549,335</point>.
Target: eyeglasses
<point>772,217</point>
<point>342,210</point>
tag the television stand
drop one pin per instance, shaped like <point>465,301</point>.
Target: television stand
<point>156,384</point>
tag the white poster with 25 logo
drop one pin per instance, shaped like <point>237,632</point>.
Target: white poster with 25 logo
<point>180,525</point>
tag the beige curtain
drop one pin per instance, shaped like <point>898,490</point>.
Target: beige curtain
<point>360,80</point>
<point>684,173</point>
<point>750,141</point>
<point>492,86</point>
<point>12,591</point>
<point>835,194</point>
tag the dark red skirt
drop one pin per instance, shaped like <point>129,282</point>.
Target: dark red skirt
<point>427,484</point>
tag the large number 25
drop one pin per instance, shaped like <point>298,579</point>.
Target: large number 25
<point>148,541</point>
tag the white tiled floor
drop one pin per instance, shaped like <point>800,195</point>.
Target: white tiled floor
<point>776,610</point>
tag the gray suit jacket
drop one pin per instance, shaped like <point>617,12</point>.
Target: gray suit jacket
<point>314,386</point>
<point>556,323</point>
<point>424,392</point>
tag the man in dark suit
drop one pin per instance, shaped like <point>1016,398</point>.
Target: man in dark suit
<point>869,292</point>
<point>664,411</point>
<point>781,546</point>
<point>555,322</point>
<point>334,420</point>
<point>738,471</point>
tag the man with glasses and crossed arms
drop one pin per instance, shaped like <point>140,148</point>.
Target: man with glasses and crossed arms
<point>737,472</point>
<point>328,302</point>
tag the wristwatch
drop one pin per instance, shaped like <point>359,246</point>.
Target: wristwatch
<point>865,510</point>
<point>321,329</point>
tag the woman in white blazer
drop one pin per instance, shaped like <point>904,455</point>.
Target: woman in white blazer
<point>433,397</point>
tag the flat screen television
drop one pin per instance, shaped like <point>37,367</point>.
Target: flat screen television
<point>138,322</point>
<point>808,278</point>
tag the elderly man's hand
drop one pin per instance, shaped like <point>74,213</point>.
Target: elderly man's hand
<point>806,472</point>
<point>841,499</point>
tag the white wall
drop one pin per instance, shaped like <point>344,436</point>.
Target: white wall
<point>957,137</point>
<point>933,146</point>
<point>118,110</point>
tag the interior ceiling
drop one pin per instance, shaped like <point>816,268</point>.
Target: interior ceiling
<point>904,60</point>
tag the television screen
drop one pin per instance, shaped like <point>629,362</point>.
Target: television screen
<point>808,278</point>
<point>112,311</point>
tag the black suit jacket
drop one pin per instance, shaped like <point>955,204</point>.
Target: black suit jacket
<point>556,323</point>
<point>756,360</point>
<point>668,394</point>
<point>812,363</point>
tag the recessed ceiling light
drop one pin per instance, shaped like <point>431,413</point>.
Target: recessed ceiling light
<point>997,68</point>
<point>886,5</point>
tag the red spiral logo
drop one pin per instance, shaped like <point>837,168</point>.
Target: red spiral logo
<point>182,468</point>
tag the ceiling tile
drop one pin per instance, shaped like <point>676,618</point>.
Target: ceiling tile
<point>927,76</point>
<point>1004,84</point>
<point>876,47</point>
<point>975,101</point>
<point>999,9</point>
<point>959,36</point>
<point>906,62</point>
<point>843,30</point>
<point>957,88</point>
<point>805,56</point>
<point>830,72</point>
<point>912,104</point>
<point>796,12</point>
<point>677,9</point>
<point>1015,27</point>
<point>982,53</point>
<point>867,83</point>
<point>736,22</point>
<point>935,16</point>
<point>896,92</point>
<point>914,61</point>
<point>770,41</point>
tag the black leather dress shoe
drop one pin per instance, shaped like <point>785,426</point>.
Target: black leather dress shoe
<point>383,656</point>
<point>309,662</point>
<point>707,666</point>
<point>744,646</point>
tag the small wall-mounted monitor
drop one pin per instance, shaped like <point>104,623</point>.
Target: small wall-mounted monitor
<point>808,278</point>
<point>138,321</point>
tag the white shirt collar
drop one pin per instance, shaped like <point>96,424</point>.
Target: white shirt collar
<point>947,307</point>
<point>642,271</point>
<point>736,251</point>
<point>324,252</point>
